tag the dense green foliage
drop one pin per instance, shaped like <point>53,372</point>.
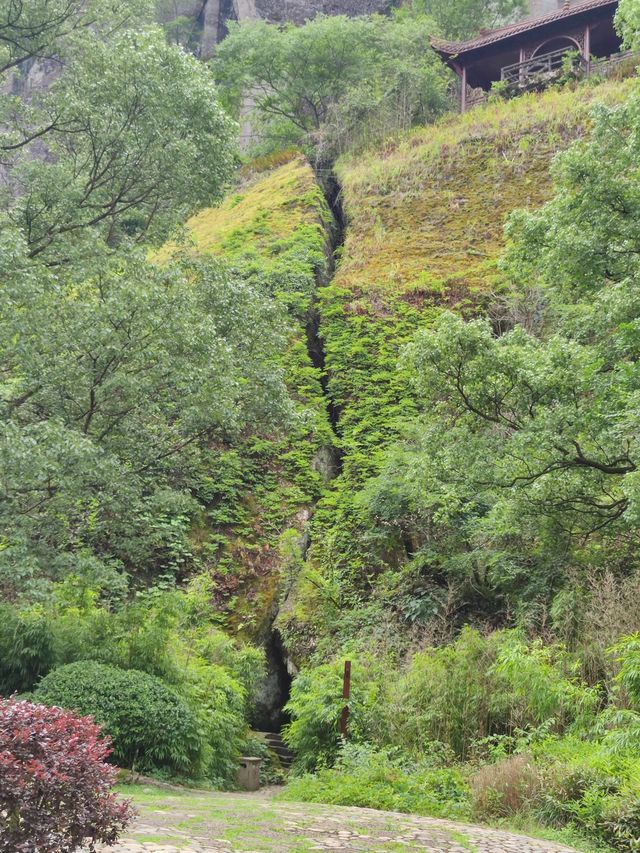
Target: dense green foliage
<point>114,387</point>
<point>53,27</point>
<point>628,23</point>
<point>462,19</point>
<point>167,635</point>
<point>454,696</point>
<point>150,727</point>
<point>118,378</point>
<point>334,84</point>
<point>510,497</point>
<point>135,139</point>
<point>423,460</point>
<point>523,466</point>
<point>494,727</point>
<point>275,231</point>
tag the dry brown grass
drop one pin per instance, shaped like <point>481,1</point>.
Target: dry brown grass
<point>505,788</point>
<point>426,213</point>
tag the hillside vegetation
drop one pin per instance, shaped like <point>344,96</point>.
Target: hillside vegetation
<point>425,232</point>
<point>480,409</point>
<point>371,396</point>
<point>275,230</point>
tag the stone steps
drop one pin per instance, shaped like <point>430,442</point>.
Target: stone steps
<point>276,744</point>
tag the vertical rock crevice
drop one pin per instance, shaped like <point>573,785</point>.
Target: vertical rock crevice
<point>269,712</point>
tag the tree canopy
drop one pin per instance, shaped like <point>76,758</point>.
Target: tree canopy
<point>462,19</point>
<point>526,453</point>
<point>116,374</point>
<point>334,83</point>
<point>128,140</point>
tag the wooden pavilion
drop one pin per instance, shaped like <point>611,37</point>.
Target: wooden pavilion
<point>531,52</point>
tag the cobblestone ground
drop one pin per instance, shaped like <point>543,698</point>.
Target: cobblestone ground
<point>169,822</point>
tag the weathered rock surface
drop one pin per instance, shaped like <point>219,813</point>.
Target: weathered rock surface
<point>299,11</point>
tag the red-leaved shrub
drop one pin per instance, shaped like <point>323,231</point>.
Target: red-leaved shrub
<point>55,783</point>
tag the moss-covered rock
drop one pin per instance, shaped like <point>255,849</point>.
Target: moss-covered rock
<point>275,229</point>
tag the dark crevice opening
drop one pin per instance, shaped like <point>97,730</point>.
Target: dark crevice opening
<point>268,712</point>
<point>315,345</point>
<point>227,13</point>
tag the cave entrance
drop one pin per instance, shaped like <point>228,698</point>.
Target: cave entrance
<point>268,713</point>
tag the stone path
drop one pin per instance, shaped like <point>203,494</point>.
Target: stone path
<point>171,822</point>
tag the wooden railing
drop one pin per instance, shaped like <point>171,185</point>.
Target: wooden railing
<point>609,66</point>
<point>549,65</point>
<point>546,64</point>
<point>541,71</point>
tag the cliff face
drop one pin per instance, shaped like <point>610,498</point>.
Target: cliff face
<point>299,11</point>
<point>201,24</point>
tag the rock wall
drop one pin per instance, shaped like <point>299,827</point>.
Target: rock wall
<point>210,16</point>
<point>299,11</point>
<point>200,24</point>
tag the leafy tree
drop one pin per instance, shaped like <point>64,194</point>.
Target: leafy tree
<point>117,376</point>
<point>43,29</point>
<point>462,19</point>
<point>628,22</point>
<point>526,456</point>
<point>134,140</point>
<point>334,82</point>
<point>111,389</point>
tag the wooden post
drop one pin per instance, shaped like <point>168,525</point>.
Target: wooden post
<point>346,693</point>
<point>463,95</point>
<point>587,47</point>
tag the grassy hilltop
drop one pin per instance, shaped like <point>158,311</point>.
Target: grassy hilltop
<point>425,230</point>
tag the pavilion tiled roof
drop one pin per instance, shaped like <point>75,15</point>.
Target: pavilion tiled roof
<point>453,48</point>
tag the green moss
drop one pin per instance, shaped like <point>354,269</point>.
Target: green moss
<point>425,230</point>
<point>274,229</point>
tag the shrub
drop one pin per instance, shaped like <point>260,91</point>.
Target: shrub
<point>165,634</point>
<point>489,685</point>
<point>590,788</point>
<point>383,779</point>
<point>151,727</point>
<point>54,782</point>
<point>597,804</point>
<point>505,788</point>
<point>316,705</point>
<point>26,648</point>
<point>220,702</point>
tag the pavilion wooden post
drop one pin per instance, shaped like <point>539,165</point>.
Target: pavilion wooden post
<point>463,94</point>
<point>523,59</point>
<point>346,693</point>
<point>587,48</point>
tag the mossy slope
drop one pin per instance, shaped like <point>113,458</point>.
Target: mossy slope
<point>425,230</point>
<point>274,229</point>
